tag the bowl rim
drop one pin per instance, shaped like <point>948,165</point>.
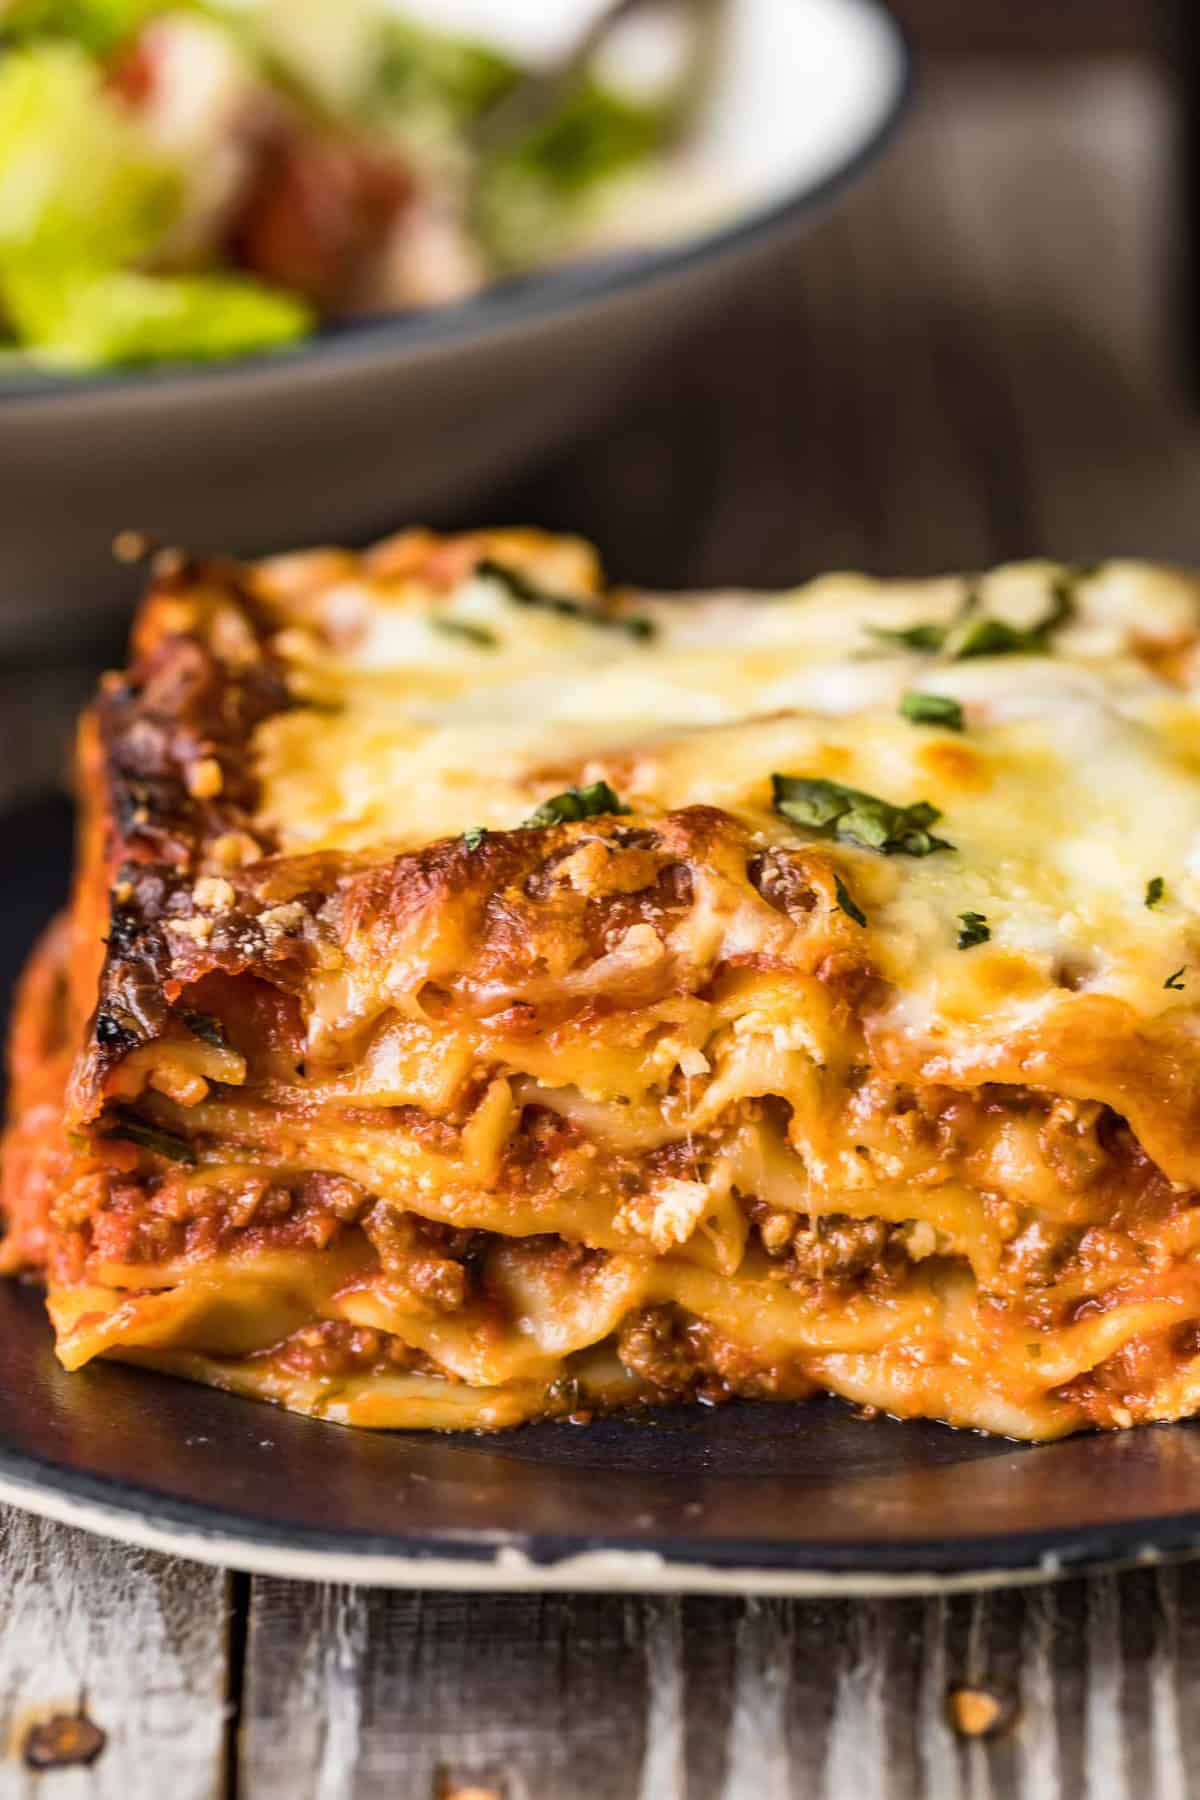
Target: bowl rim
<point>512,302</point>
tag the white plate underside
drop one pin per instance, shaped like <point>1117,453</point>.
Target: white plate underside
<point>510,1570</point>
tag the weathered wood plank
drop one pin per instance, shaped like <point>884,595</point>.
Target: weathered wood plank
<point>1072,295</point>
<point>410,1696</point>
<point>135,1642</point>
<point>969,360</point>
<point>387,1695</point>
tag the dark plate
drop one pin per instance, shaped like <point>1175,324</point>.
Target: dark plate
<point>777,1498</point>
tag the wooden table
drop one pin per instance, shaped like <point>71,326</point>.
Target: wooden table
<point>969,361</point>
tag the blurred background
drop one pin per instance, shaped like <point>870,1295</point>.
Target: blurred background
<point>987,350</point>
<point>985,347</point>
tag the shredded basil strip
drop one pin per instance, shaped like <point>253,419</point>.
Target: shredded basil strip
<point>524,592</point>
<point>932,709</point>
<point>1156,887</point>
<point>973,929</point>
<point>149,1137</point>
<point>473,837</point>
<point>577,803</point>
<point>930,636</point>
<point>853,817</point>
<point>847,903</point>
<point>911,637</point>
<point>995,637</point>
<point>973,635</point>
<point>1175,981</point>
<point>465,629</point>
<point>204,1026</point>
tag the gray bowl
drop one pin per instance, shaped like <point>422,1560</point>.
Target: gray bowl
<point>391,420</point>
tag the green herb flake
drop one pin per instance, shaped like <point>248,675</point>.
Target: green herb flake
<point>149,1137</point>
<point>1175,981</point>
<point>205,1027</point>
<point>847,903</point>
<point>466,630</point>
<point>473,837</point>
<point>973,633</point>
<point>852,817</point>
<point>576,803</point>
<point>973,929</point>
<point>926,637</point>
<point>996,637</point>
<point>1156,887</point>
<point>932,709</point>
<point>523,592</point>
<point>992,637</point>
<point>929,636</point>
<point>634,625</point>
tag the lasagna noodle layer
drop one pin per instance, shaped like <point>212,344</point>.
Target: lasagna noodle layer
<point>385,1103</point>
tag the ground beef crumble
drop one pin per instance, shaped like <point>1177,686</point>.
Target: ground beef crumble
<point>678,1357</point>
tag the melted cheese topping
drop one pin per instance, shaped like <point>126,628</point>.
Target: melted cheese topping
<point>1073,784</point>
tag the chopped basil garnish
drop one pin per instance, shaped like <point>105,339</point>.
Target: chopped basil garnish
<point>465,629</point>
<point>995,637</point>
<point>1175,981</point>
<point>930,636</point>
<point>912,637</point>
<point>832,810</point>
<point>203,1025</point>
<point>149,1137</point>
<point>847,903</point>
<point>932,709</point>
<point>973,929</point>
<point>473,837</point>
<point>973,635</point>
<point>1156,887</point>
<point>991,637</point>
<point>577,803</point>
<point>634,625</point>
<point>524,592</point>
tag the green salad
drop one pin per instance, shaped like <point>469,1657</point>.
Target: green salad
<point>208,178</point>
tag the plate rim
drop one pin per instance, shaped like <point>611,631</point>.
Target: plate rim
<point>542,295</point>
<point>512,1561</point>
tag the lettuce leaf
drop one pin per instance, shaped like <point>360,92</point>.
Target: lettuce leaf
<point>529,195</point>
<point>436,74</point>
<point>99,25</point>
<point>78,183</point>
<point>77,318</point>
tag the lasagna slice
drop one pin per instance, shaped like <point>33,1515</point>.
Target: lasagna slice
<point>487,996</point>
